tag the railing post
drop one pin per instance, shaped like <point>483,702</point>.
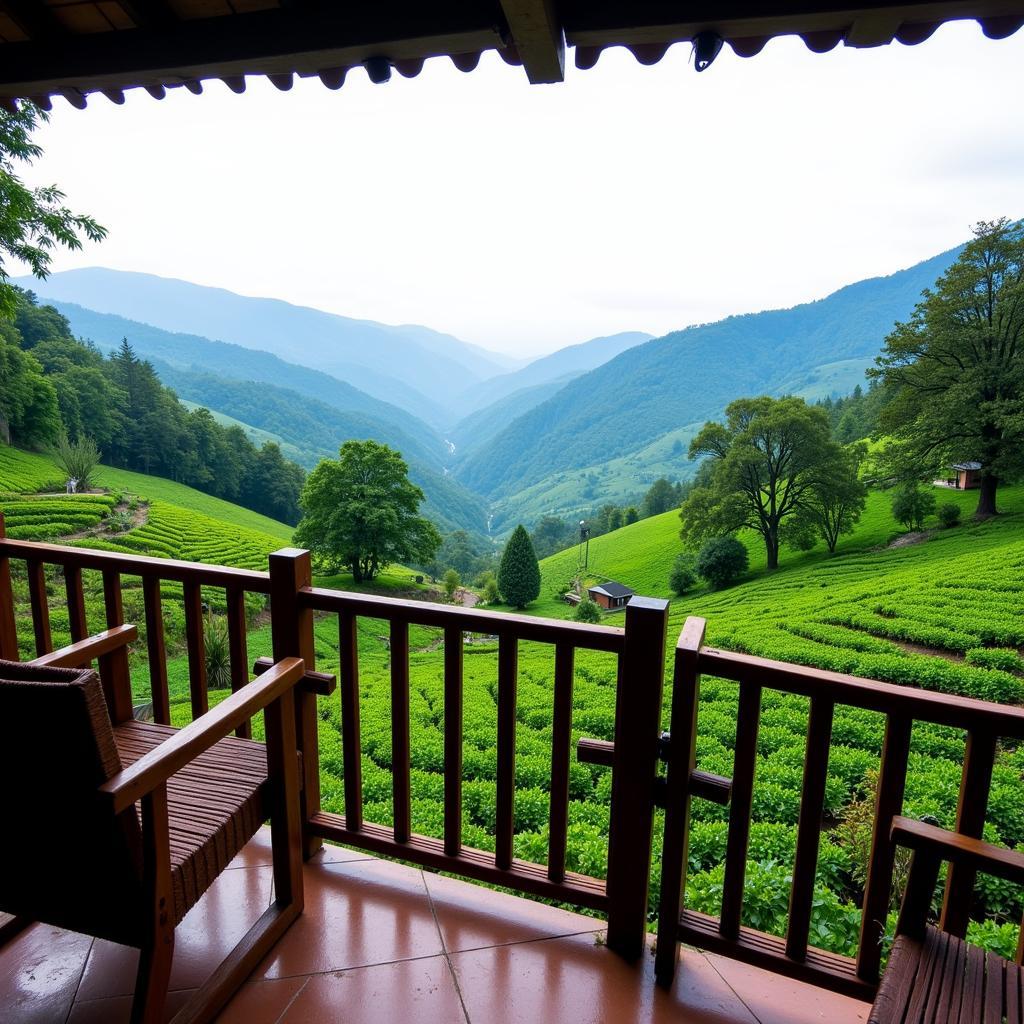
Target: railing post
<point>637,731</point>
<point>8,627</point>
<point>682,759</point>
<point>291,631</point>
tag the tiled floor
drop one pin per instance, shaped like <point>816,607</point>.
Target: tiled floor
<point>381,943</point>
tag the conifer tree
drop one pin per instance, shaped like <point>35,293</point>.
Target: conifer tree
<point>519,573</point>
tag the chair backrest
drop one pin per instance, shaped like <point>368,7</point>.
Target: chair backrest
<point>65,858</point>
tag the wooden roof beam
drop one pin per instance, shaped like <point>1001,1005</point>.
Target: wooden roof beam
<point>537,34</point>
<point>149,13</point>
<point>33,17</point>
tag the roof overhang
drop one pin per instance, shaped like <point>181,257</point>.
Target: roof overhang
<point>72,48</point>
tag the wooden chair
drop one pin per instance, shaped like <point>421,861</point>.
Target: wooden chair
<point>78,850</point>
<point>935,976</point>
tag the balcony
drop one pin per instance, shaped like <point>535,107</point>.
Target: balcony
<point>397,938</point>
<point>381,942</point>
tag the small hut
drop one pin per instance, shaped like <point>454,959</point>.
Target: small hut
<point>966,475</point>
<point>610,595</point>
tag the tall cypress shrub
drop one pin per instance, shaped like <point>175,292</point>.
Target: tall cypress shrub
<point>519,573</point>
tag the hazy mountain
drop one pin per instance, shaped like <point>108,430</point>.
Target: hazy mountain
<point>435,367</point>
<point>561,365</point>
<point>650,399</point>
<point>192,353</point>
<point>479,427</point>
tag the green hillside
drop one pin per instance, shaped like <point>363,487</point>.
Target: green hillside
<point>689,376</point>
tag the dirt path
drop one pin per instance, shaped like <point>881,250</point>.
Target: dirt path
<point>140,516</point>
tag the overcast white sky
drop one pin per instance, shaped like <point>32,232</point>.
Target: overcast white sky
<point>524,218</point>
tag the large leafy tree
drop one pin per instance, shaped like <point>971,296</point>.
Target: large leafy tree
<point>361,511</point>
<point>767,461</point>
<point>835,505</point>
<point>958,366</point>
<point>33,221</point>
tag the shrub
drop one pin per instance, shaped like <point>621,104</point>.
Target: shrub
<point>491,594</point>
<point>452,581</point>
<point>911,505</point>
<point>218,656</point>
<point>683,575</point>
<point>949,514</point>
<point>587,611</point>
<point>721,560</point>
<point>77,459</point>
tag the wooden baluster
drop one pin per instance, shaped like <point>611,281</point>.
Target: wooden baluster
<point>8,625</point>
<point>351,751</point>
<point>156,650</point>
<point>452,741</point>
<point>635,768</point>
<point>40,607</point>
<point>76,603</point>
<point>401,796</point>
<point>892,779</point>
<point>195,643</point>
<point>508,672</point>
<point>975,782</point>
<point>291,628</point>
<point>561,739</point>
<point>112,604</point>
<point>808,831</point>
<point>682,760</point>
<point>238,648</point>
<point>748,723</point>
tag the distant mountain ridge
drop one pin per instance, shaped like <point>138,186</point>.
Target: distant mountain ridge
<point>562,365</point>
<point>433,367</point>
<point>665,388</point>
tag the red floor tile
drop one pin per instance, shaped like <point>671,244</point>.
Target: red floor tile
<point>258,852</point>
<point>577,979</point>
<point>774,999</point>
<point>420,991</point>
<point>471,917</point>
<point>118,1009</point>
<point>357,913</point>
<point>210,930</point>
<point>39,972</point>
<point>261,1001</point>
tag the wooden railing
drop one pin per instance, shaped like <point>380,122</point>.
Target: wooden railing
<point>639,649</point>
<point>983,723</point>
<point>193,577</point>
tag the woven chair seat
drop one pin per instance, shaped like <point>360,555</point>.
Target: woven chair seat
<point>215,805</point>
<point>943,978</point>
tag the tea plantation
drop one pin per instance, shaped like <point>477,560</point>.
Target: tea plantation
<point>946,613</point>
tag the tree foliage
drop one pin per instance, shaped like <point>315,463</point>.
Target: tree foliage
<point>770,462</point>
<point>683,574</point>
<point>958,366</point>
<point>33,221</point>
<point>835,504</point>
<point>722,560</point>
<point>360,511</point>
<point>519,572</point>
<point>661,496</point>
<point>911,505</point>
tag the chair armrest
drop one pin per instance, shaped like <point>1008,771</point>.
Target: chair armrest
<point>959,849</point>
<point>82,653</point>
<point>157,766</point>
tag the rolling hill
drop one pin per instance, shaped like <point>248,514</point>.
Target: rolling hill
<point>666,388</point>
<point>435,368</point>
